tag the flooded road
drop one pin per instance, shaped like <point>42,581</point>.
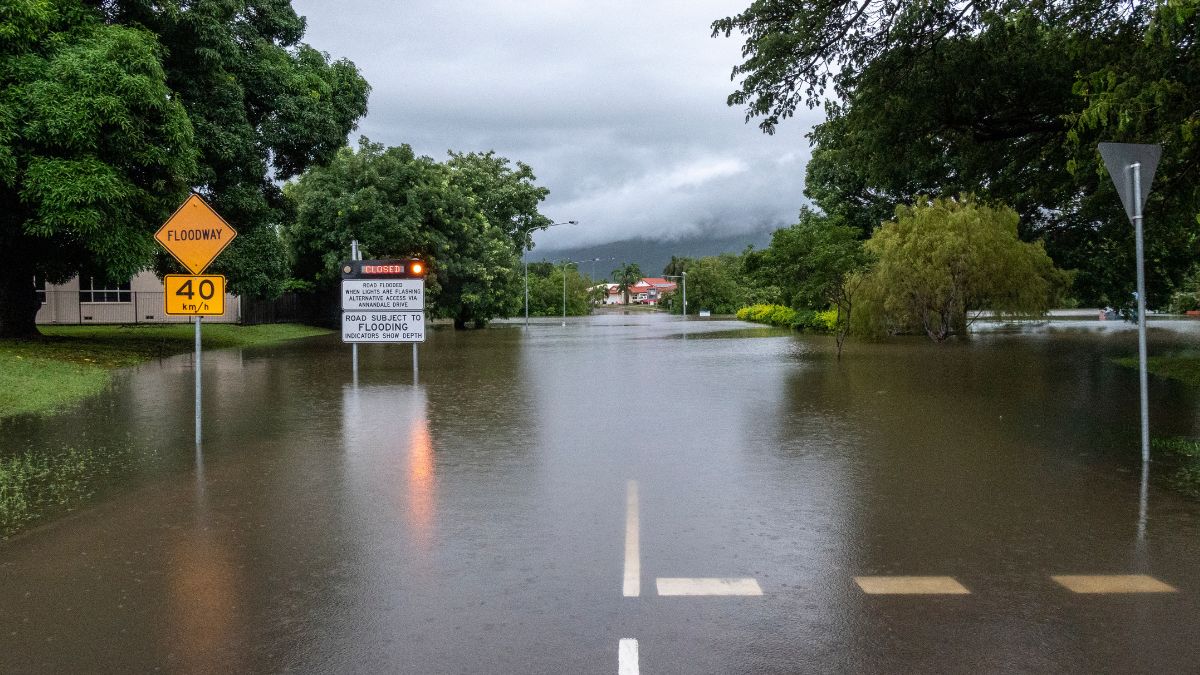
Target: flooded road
<point>730,497</point>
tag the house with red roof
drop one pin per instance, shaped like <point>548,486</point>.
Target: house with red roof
<point>647,291</point>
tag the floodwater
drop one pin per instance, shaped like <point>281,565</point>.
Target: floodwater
<point>475,518</point>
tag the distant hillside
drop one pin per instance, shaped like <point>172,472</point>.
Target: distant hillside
<point>652,256</point>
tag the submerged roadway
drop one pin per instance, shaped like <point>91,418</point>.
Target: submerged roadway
<point>624,494</point>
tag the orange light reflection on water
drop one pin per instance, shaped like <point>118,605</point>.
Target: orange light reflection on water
<point>421,481</point>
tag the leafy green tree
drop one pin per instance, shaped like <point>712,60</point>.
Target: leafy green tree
<point>265,107</point>
<point>941,260</point>
<point>546,290</point>
<point>1002,98</point>
<point>396,203</point>
<point>715,283</point>
<point>625,277</point>
<point>506,194</point>
<point>1145,91</point>
<point>816,263</point>
<point>94,150</point>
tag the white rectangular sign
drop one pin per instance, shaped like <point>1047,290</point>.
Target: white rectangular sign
<point>383,295</point>
<point>383,326</point>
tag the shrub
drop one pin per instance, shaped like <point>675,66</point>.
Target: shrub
<point>786,317</point>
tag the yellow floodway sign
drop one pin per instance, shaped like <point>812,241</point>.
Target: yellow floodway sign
<point>200,295</point>
<point>195,234</point>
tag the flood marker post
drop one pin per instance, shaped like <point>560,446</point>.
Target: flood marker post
<point>1131,166</point>
<point>195,235</point>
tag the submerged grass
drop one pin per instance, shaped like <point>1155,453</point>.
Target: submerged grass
<point>70,363</point>
<point>1178,460</point>
<point>37,484</point>
<point>1184,367</point>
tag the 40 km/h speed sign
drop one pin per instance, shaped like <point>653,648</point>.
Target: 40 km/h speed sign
<point>194,295</point>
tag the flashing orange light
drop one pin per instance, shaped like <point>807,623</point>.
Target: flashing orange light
<point>417,267</point>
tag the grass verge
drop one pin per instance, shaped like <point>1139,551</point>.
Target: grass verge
<point>1178,460</point>
<point>36,484</point>
<point>1182,367</point>
<point>70,363</point>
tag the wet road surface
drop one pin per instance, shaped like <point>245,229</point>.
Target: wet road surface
<point>733,499</point>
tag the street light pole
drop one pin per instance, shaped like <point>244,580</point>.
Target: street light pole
<point>565,263</point>
<point>683,276</point>
<point>594,261</point>
<point>525,259</point>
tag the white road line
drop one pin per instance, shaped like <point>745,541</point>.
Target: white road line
<point>633,557</point>
<point>1112,583</point>
<point>627,657</point>
<point>910,586</point>
<point>686,586</point>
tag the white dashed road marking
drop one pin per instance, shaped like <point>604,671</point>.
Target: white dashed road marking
<point>910,586</point>
<point>627,657</point>
<point>684,586</point>
<point>633,562</point>
<point>1112,583</point>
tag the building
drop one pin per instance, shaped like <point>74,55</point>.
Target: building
<point>86,299</point>
<point>647,291</point>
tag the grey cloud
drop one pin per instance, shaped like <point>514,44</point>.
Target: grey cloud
<point>618,106</point>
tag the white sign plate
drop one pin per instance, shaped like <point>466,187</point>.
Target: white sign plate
<point>376,295</point>
<point>383,326</point>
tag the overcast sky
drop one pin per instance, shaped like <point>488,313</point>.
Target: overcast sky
<point>619,107</point>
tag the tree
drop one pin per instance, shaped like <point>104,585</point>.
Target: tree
<point>678,265</point>
<point>598,292</point>
<point>396,203</point>
<point>817,263</point>
<point>1147,91</point>
<point>507,196</point>
<point>796,52</point>
<point>940,260</point>
<point>1001,98</point>
<point>94,150</point>
<point>265,107</point>
<point>715,283</point>
<point>625,277</point>
<point>546,290</point>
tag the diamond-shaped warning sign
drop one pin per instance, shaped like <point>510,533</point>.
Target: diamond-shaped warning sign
<point>195,234</point>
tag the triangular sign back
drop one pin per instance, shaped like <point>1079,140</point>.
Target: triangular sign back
<point>1119,159</point>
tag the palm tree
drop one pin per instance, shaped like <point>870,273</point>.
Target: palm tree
<point>678,266</point>
<point>626,276</point>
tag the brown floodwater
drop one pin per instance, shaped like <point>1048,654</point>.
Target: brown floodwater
<point>473,518</point>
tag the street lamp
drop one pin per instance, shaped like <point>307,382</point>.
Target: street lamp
<point>565,263</point>
<point>684,277</point>
<point>594,261</point>
<point>525,259</point>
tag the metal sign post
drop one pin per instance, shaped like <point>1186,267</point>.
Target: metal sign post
<point>1131,167</point>
<point>198,384</point>
<point>354,347</point>
<point>195,235</point>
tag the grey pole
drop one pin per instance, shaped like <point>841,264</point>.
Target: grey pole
<point>525,259</point>
<point>564,294</point>
<point>1141,291</point>
<point>198,437</point>
<point>684,275</point>
<point>415,369</point>
<point>354,346</point>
